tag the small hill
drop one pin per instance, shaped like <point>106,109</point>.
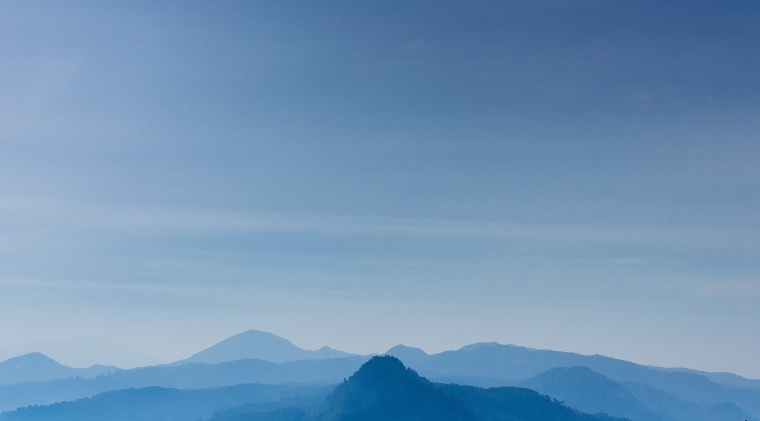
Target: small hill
<point>254,344</point>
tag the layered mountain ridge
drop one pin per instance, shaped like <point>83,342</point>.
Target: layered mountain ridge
<point>382,389</point>
<point>35,366</point>
<point>587,383</point>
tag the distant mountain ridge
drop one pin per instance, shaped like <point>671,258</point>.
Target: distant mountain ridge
<point>493,364</point>
<point>587,383</point>
<point>186,376</point>
<point>83,352</point>
<point>727,379</point>
<point>255,344</point>
<point>382,389</point>
<point>35,367</point>
<point>408,354</point>
<point>158,403</point>
<point>589,391</point>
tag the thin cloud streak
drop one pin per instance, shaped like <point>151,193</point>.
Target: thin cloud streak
<point>732,288</point>
<point>224,293</point>
<point>155,221</point>
<point>103,286</point>
<point>250,294</point>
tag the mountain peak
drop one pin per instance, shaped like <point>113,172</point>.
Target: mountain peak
<point>480,345</point>
<point>384,389</point>
<point>36,359</point>
<point>407,354</point>
<point>251,344</point>
<point>383,368</point>
<point>259,345</point>
<point>34,366</point>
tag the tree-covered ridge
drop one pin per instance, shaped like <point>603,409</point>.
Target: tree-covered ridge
<point>383,389</point>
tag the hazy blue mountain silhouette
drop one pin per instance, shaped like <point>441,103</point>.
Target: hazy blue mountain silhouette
<point>155,403</point>
<point>489,364</point>
<point>669,407</point>
<point>186,376</point>
<point>672,394</point>
<point>588,391</point>
<point>83,352</point>
<point>254,344</point>
<point>726,379</point>
<point>383,389</point>
<point>508,364</point>
<point>35,366</point>
<point>408,354</point>
<point>516,403</point>
<point>251,414</point>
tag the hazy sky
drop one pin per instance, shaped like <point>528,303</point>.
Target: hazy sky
<point>578,175</point>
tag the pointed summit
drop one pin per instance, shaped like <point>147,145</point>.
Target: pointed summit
<point>255,344</point>
<point>383,389</point>
<point>384,371</point>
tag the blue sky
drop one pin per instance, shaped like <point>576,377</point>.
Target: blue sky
<point>580,177</point>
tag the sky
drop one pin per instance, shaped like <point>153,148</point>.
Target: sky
<point>580,176</point>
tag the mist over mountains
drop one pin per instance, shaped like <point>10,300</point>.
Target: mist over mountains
<point>478,381</point>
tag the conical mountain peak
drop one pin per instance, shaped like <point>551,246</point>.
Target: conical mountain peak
<point>256,344</point>
<point>384,389</point>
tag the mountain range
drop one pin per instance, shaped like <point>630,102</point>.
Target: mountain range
<point>84,352</point>
<point>35,367</point>
<point>671,394</point>
<point>381,390</point>
<point>587,383</point>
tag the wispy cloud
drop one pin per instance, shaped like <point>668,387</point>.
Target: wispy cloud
<point>730,288</point>
<point>162,221</point>
<point>625,261</point>
<point>120,286</point>
<point>186,291</point>
<point>244,293</point>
